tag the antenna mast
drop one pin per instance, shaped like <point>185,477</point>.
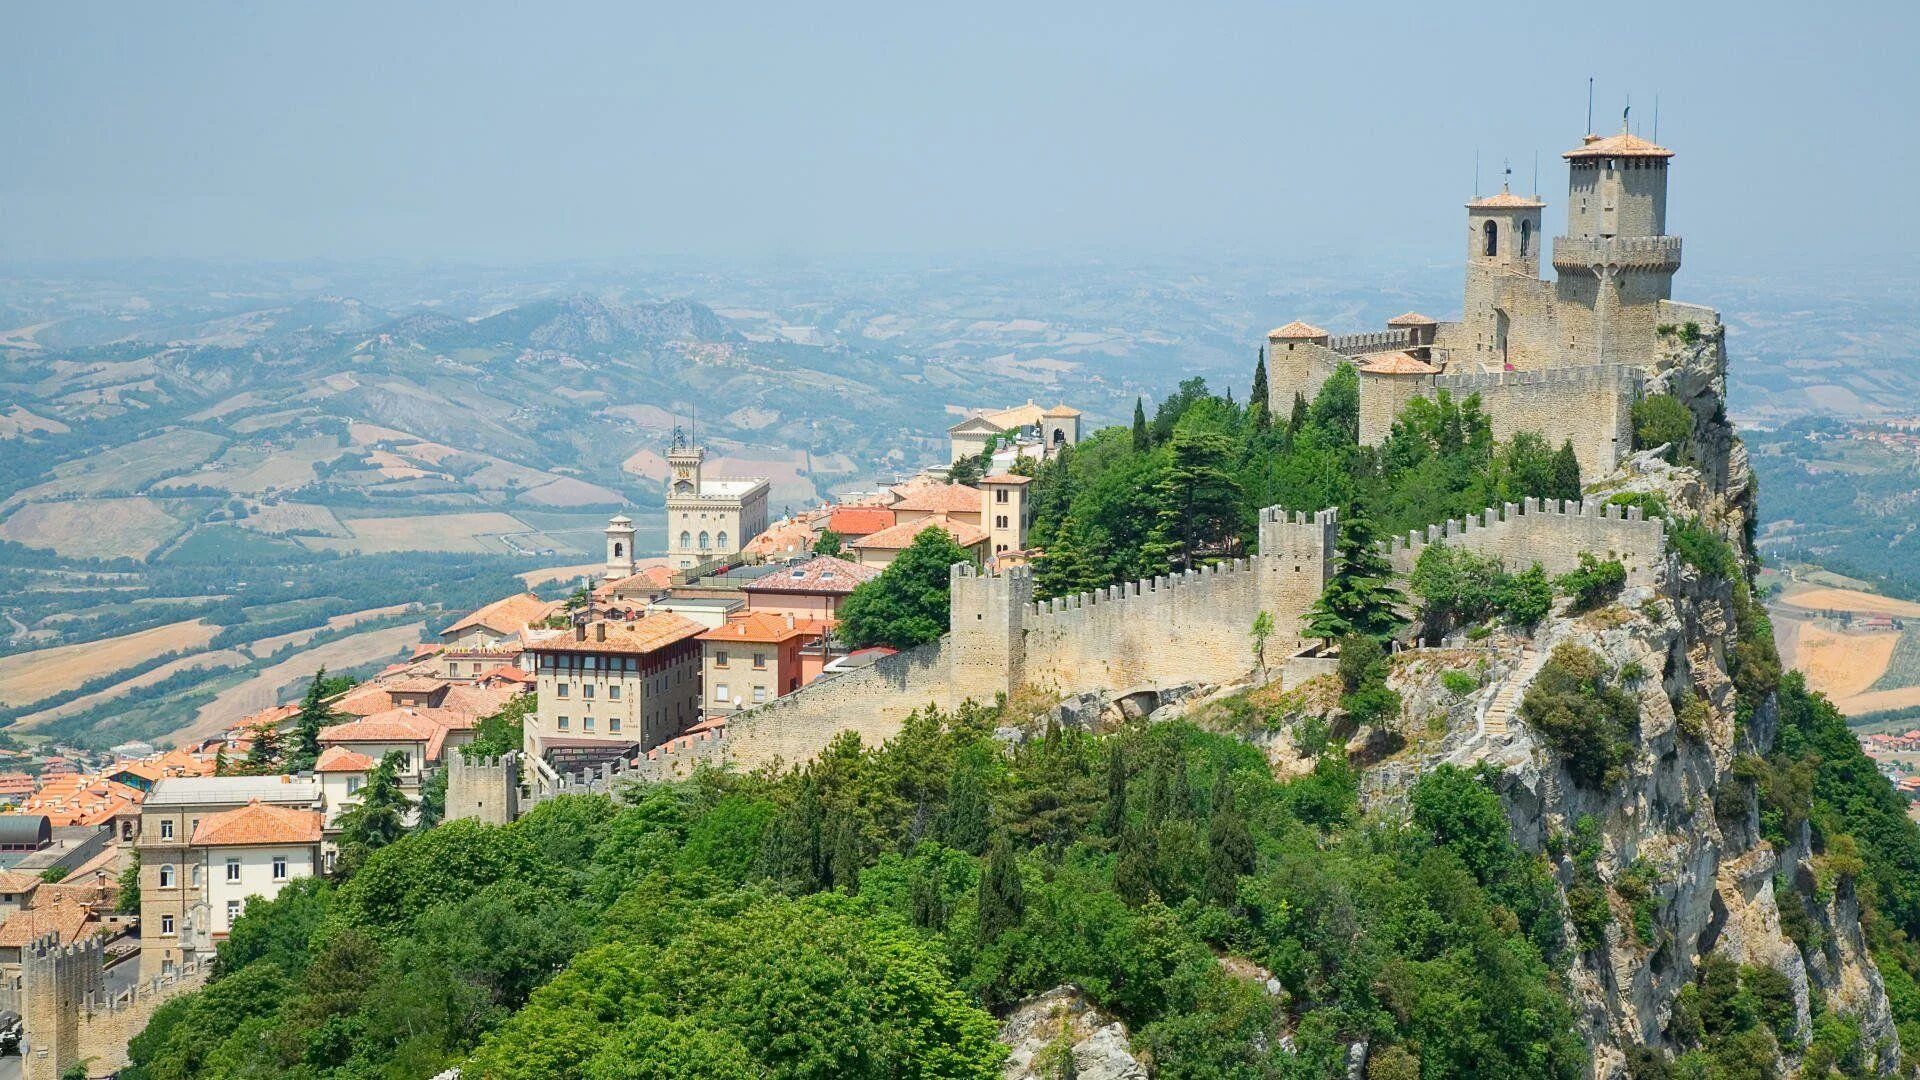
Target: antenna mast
<point>1476,172</point>
<point>1589,104</point>
<point>1656,118</point>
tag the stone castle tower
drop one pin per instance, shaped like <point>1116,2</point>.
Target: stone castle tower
<point>1616,262</point>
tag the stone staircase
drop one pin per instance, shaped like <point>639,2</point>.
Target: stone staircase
<point>1498,714</point>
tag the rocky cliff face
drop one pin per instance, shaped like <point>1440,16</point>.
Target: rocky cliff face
<point>1680,851</point>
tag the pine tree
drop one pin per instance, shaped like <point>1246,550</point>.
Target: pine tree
<point>1070,564</point>
<point>1142,441</point>
<point>1360,599</point>
<point>1002,900</point>
<point>264,754</point>
<point>379,818</point>
<point>844,861</point>
<point>1198,502</point>
<point>1566,473</point>
<point>1258,410</point>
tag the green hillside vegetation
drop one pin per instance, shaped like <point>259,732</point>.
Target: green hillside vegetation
<point>861,917</point>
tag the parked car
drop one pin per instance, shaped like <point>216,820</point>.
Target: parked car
<point>10,1032</point>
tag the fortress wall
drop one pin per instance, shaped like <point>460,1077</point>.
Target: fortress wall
<point>1381,399</point>
<point>872,701</point>
<point>1592,406</point>
<point>1190,627</point>
<point>1550,533</point>
<point>486,789</point>
<point>70,1019</point>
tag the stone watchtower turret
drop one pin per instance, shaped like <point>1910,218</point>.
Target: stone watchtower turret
<point>988,623</point>
<point>1616,262</point>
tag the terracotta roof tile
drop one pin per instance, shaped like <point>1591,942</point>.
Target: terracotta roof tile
<point>822,574</point>
<point>855,521</point>
<point>650,633</point>
<point>1621,145</point>
<point>1507,200</point>
<point>505,616</point>
<point>1395,363</point>
<point>762,626</point>
<point>1062,410</point>
<point>1296,331</point>
<point>1007,478</point>
<point>66,919</point>
<point>259,823</point>
<point>901,536</point>
<point>339,759</point>
<point>1412,318</point>
<point>944,499</point>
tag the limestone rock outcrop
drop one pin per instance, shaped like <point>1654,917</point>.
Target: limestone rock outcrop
<point>1059,1033</point>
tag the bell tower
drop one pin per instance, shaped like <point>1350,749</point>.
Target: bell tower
<point>683,468</point>
<point>619,547</point>
<point>1503,251</point>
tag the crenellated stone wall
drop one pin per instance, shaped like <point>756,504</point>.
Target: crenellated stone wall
<point>1550,533</point>
<point>1178,628</point>
<point>1590,406</point>
<point>70,1019</point>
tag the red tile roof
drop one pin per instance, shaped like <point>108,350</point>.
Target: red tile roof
<point>505,616</point>
<point>1007,478</point>
<point>259,823</point>
<point>1621,145</point>
<point>644,635</point>
<point>822,574</point>
<point>1395,363</point>
<point>1296,331</point>
<point>1412,318</point>
<point>1507,200</point>
<point>855,521</point>
<point>943,499</point>
<point>763,626</point>
<point>901,537</point>
<point>339,759</point>
<point>68,920</point>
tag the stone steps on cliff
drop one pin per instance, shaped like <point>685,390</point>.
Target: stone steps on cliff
<point>1506,700</point>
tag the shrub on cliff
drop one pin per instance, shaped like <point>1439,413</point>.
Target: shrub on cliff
<point>1577,707</point>
<point>1662,420</point>
<point>1596,583</point>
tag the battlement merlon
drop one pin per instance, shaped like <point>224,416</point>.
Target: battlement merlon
<point>1293,535</point>
<point>1617,253</point>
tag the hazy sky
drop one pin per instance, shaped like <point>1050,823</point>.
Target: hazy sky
<point>550,130</point>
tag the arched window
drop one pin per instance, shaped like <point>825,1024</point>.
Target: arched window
<point>705,540</point>
<point>1492,233</point>
<point>1526,238</point>
<point>686,539</point>
<point>723,540</point>
<point>619,550</point>
<point>1059,436</point>
<point>166,875</point>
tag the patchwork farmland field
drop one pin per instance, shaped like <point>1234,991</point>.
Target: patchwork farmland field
<point>93,528</point>
<point>30,677</point>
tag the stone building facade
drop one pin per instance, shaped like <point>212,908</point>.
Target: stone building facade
<point>708,517</point>
<point>615,684</point>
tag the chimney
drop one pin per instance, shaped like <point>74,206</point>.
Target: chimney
<point>579,631</point>
<point>600,631</point>
<point>789,620</point>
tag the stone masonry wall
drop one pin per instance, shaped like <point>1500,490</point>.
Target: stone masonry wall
<point>1591,406</point>
<point>70,1020</point>
<point>1190,627</point>
<point>1550,533</point>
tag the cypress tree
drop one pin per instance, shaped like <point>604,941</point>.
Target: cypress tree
<point>1142,442</point>
<point>1002,900</point>
<point>1257,408</point>
<point>1229,844</point>
<point>1298,418</point>
<point>1566,473</point>
<point>1133,871</point>
<point>965,824</point>
<point>1114,819</point>
<point>306,728</point>
<point>844,862</point>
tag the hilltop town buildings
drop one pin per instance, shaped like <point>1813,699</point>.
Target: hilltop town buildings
<point>708,517</point>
